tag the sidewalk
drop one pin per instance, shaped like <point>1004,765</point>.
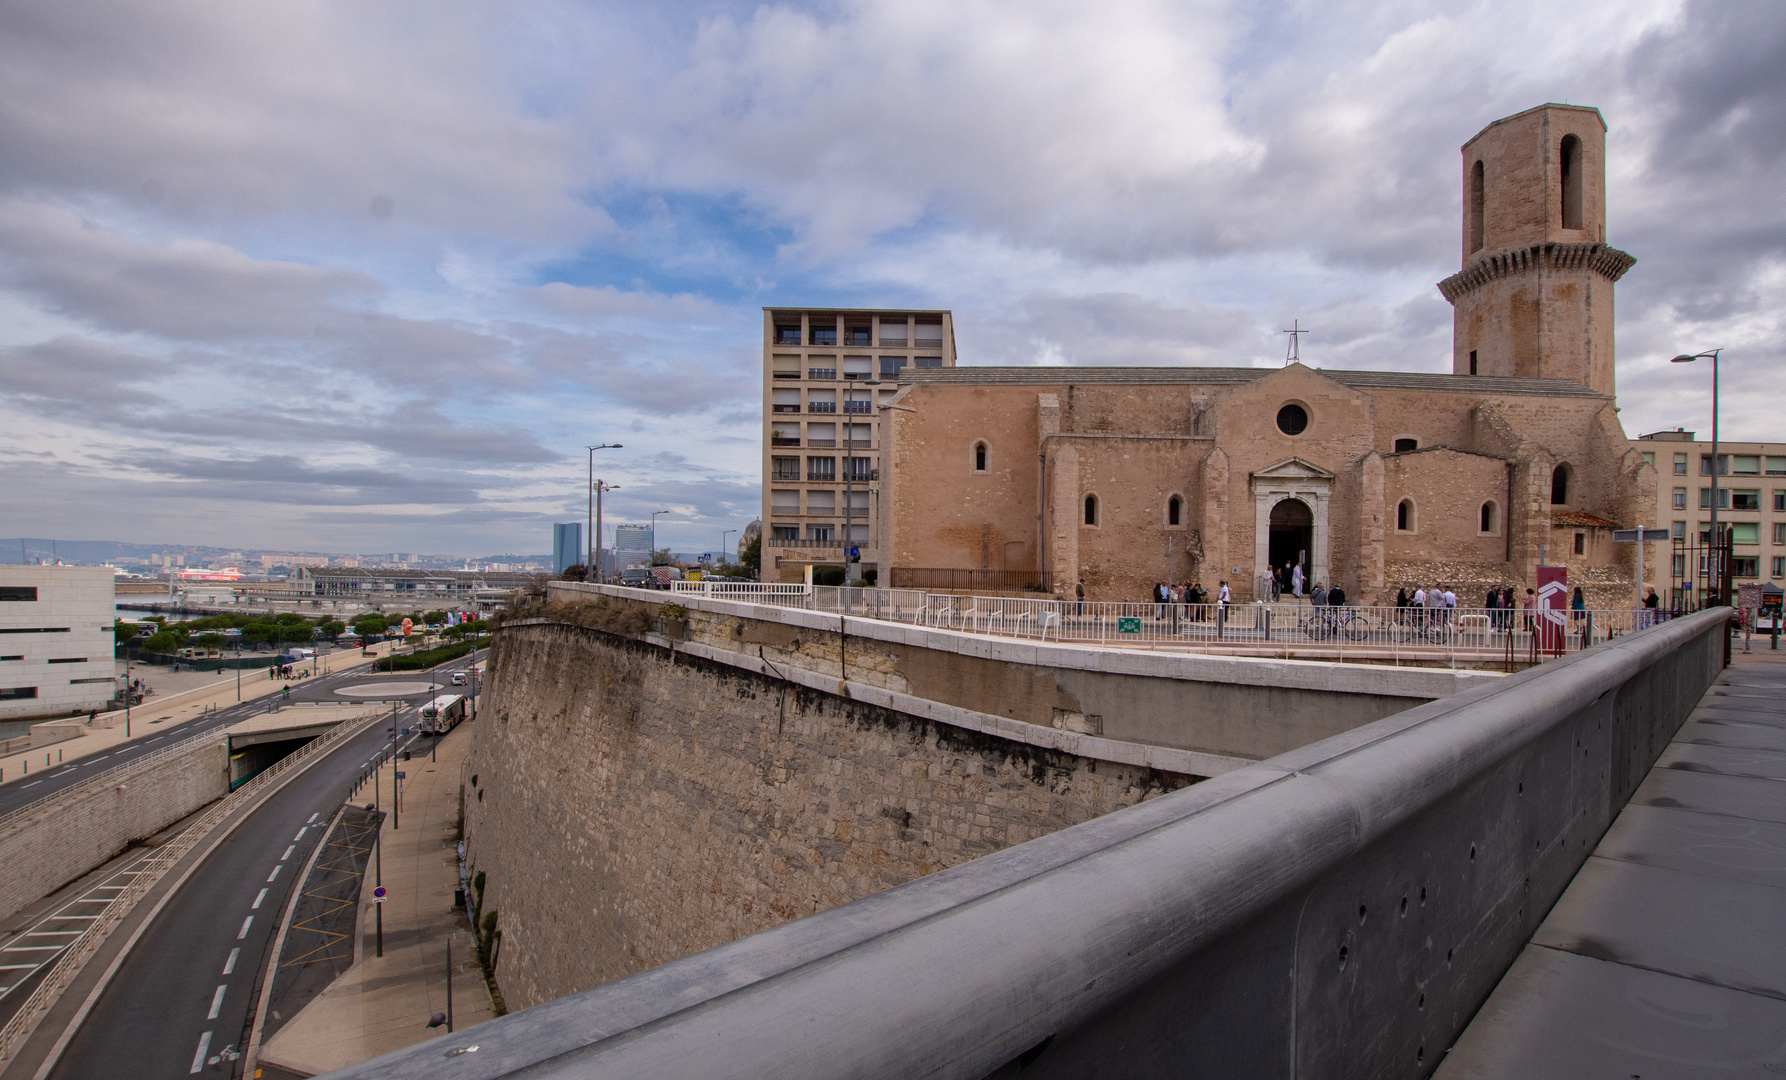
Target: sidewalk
<point>154,717</point>
<point>1663,958</point>
<point>382,1004</point>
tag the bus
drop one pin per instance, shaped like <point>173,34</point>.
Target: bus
<point>442,714</point>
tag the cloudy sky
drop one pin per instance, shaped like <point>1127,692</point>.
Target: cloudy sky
<point>362,276</point>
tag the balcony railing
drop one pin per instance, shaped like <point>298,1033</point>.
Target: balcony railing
<point>821,406</point>
<point>854,375</point>
<point>821,373</point>
<point>784,408</point>
<point>789,335</point>
<point>795,374</point>
<point>817,442</point>
<point>786,440</point>
<point>793,476</point>
<point>856,406</point>
<point>821,477</point>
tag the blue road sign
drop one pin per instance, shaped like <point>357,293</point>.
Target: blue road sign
<point>401,775</point>
<point>855,552</point>
<point>378,895</point>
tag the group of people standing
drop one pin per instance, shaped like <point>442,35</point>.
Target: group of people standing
<point>1290,581</point>
<point>1190,598</point>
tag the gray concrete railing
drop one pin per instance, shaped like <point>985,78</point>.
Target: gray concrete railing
<point>1338,911</point>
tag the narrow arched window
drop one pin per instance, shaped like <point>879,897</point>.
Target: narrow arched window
<point>1172,510</point>
<point>1406,446</point>
<point>1404,516</point>
<point>979,457</point>
<point>1559,486</point>
<point>1570,162</point>
<point>1478,198</point>
<point>1091,509</point>
<point>1488,517</point>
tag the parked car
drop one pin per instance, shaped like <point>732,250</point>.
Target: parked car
<point>458,678</point>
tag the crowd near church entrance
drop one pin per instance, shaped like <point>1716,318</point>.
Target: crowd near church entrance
<point>1292,536</point>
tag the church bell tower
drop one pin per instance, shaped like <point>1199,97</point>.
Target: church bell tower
<point>1534,297</point>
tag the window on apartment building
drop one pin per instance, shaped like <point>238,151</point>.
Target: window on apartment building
<point>1705,498</point>
<point>822,534</point>
<point>1776,466</point>
<point>1559,485</point>
<point>1680,565</point>
<point>18,657</point>
<point>784,401</point>
<point>929,332</point>
<point>786,468</point>
<point>891,366</point>
<point>1705,464</point>
<point>1581,543</point>
<point>824,333</point>
<point>15,693</point>
<point>1745,566</point>
<point>1091,509</point>
<point>785,533</point>
<point>1680,464</point>
<point>821,374</point>
<point>858,368</point>
<point>821,502</point>
<point>17,593</point>
<point>1745,532</point>
<point>1677,531</point>
<point>858,332</point>
<point>928,361</point>
<point>1779,500</point>
<point>1680,498</point>
<point>1745,465</point>
<point>1779,566</point>
<point>69,660</point>
<point>1649,457</point>
<point>979,457</point>
<point>1780,532</point>
<point>787,333</point>
<point>1406,446</point>
<point>1745,499</point>
<point>821,468</point>
<point>859,470</point>
<point>893,331</point>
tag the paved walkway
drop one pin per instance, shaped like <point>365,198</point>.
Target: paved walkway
<point>1666,956</point>
<point>154,717</point>
<point>383,1003</point>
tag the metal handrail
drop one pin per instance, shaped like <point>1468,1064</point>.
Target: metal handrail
<point>100,779</point>
<point>79,951</point>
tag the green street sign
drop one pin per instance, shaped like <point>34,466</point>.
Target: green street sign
<point>1128,626</point>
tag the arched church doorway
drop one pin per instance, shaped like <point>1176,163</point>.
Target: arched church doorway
<point>1292,539</point>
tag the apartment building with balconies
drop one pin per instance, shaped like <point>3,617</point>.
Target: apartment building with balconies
<point>1751,499</point>
<point>824,374</point>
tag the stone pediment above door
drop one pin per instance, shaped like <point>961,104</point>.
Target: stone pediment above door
<point>1291,471</point>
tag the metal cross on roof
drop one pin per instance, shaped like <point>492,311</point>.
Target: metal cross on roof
<point>1294,354</point>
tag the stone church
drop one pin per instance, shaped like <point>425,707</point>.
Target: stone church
<point>1115,478</point>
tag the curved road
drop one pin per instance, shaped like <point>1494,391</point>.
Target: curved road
<point>180,1004</point>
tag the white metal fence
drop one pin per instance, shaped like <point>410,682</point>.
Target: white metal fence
<point>1392,635</point>
<point>82,948</point>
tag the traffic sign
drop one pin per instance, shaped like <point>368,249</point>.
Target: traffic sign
<point>402,775</point>
<point>1128,626</point>
<point>1630,536</point>
<point>855,552</point>
<point>378,895</point>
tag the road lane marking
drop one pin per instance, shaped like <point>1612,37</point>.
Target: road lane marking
<point>300,835</point>
<point>217,1002</point>
<point>256,905</point>
<point>274,874</point>
<point>229,966</point>
<point>313,818</point>
<point>288,852</point>
<point>204,1047</point>
<point>34,783</point>
<point>246,923</point>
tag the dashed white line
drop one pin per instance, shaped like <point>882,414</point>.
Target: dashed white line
<point>229,966</point>
<point>204,1047</point>
<point>217,1002</point>
<point>274,874</point>
<point>288,852</point>
<point>300,835</point>
<point>256,905</point>
<point>313,818</point>
<point>33,783</point>
<point>246,923</point>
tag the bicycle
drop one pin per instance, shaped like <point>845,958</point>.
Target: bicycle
<point>1325,624</point>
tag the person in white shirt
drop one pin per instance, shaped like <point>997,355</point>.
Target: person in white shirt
<point>1450,598</point>
<point>1296,581</point>
<point>1222,595</point>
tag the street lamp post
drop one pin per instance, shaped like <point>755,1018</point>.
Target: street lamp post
<point>1715,563</point>
<point>722,545</point>
<point>600,487</point>
<point>849,475</point>
<point>590,525</point>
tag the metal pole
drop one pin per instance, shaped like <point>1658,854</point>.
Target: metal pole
<point>590,535</point>
<point>1722,598</point>
<point>449,950</point>
<point>378,879</point>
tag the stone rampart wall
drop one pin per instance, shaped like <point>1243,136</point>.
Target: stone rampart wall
<point>68,838</point>
<point>631,805</point>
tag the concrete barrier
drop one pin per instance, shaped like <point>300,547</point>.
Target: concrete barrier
<point>1337,911</point>
<point>49,843</point>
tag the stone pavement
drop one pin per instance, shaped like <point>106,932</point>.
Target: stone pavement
<point>1666,956</point>
<point>383,1003</point>
<point>158,714</point>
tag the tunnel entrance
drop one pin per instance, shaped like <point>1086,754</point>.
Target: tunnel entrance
<point>1292,538</point>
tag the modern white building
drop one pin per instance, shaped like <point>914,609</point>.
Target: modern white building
<point>632,545</point>
<point>55,640</point>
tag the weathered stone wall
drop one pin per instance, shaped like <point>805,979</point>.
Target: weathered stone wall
<point>72,836</point>
<point>630,805</point>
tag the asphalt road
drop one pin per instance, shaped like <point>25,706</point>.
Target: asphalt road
<point>321,688</point>
<point>180,1004</point>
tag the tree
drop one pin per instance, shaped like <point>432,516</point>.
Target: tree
<point>573,573</point>
<point>434,618</point>
<point>259,633</point>
<point>162,642</point>
<point>752,556</point>
<point>660,557</point>
<point>210,642</point>
<point>370,624</point>
<point>122,632</point>
<point>331,629</point>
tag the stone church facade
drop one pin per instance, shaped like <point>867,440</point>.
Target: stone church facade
<point>1115,478</point>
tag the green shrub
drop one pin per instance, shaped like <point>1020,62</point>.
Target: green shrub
<point>427,658</point>
<point>827,575</point>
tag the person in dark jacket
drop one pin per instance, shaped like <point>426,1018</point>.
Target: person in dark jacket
<point>1336,597</point>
